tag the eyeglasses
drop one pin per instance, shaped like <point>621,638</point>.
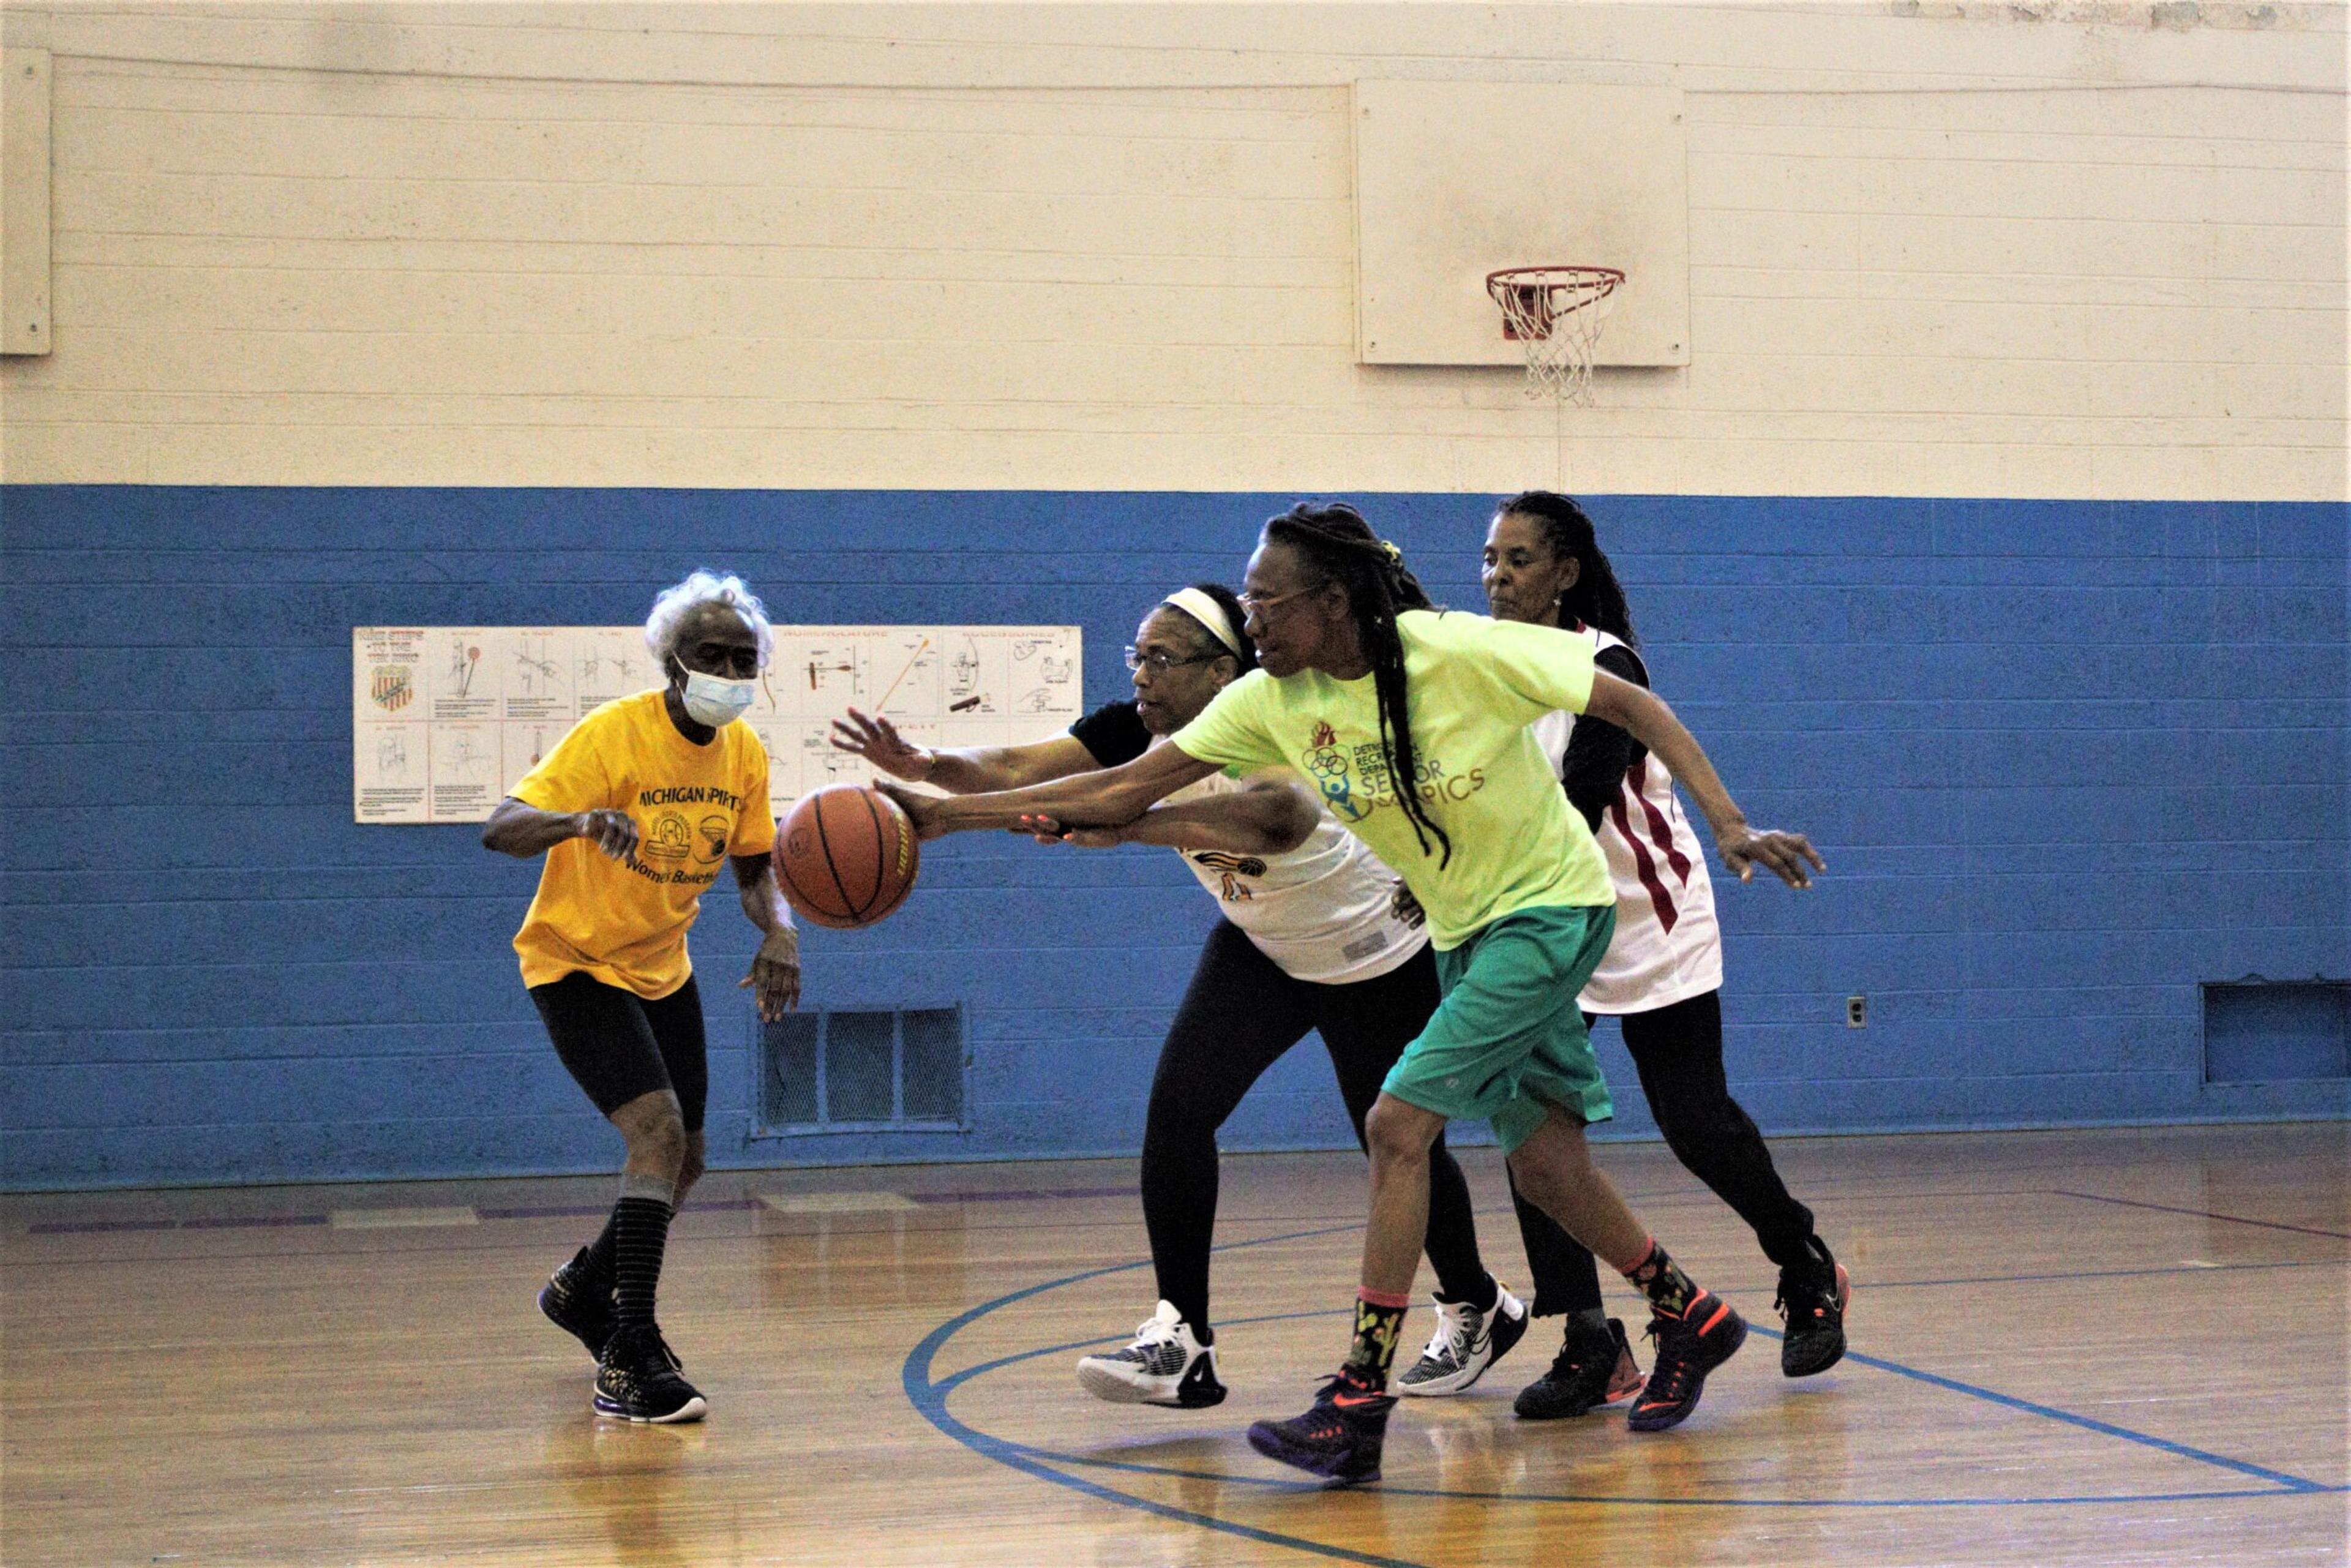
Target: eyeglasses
<point>1258,603</point>
<point>1161,662</point>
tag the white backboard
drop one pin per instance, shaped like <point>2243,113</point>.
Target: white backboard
<point>1457,179</point>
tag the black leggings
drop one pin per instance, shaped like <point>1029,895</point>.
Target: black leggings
<point>1679,1050</point>
<point>1238,1017</point>
<point>618,1046</point>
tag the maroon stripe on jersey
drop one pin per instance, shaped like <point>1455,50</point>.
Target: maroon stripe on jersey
<point>1666,914</point>
<point>1660,832</point>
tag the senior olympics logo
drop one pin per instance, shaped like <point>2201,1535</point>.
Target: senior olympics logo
<point>1325,761</point>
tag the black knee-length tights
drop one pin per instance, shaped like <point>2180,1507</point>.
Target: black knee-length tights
<point>1239,1014</point>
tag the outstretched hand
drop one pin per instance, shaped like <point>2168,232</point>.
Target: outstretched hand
<point>1051,830</point>
<point>1784,855</point>
<point>877,740</point>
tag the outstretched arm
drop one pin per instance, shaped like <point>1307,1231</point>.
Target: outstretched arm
<point>966,771</point>
<point>1110,797</point>
<point>1644,716</point>
<point>1269,818</point>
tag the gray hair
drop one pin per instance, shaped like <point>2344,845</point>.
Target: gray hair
<point>673,606</point>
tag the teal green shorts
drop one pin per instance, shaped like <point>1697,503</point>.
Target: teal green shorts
<point>1508,1039</point>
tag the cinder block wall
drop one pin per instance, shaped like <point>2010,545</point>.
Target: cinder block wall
<point>1995,533</point>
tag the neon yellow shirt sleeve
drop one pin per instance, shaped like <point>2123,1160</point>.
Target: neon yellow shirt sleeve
<point>1536,669</point>
<point>1231,731</point>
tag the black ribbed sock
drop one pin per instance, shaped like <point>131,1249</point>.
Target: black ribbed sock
<point>639,1232</point>
<point>599,1254</point>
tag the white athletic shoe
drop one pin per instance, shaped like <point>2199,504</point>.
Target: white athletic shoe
<point>1466,1341</point>
<point>1164,1366</point>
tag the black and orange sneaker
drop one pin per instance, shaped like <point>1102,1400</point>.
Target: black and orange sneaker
<point>1593,1367</point>
<point>579,1303</point>
<point>1812,1301</point>
<point>1706,1335</point>
<point>1339,1438</point>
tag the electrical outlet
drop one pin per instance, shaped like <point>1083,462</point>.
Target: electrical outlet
<point>1856,1012</point>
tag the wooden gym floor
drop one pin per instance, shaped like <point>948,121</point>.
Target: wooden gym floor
<point>2113,1347</point>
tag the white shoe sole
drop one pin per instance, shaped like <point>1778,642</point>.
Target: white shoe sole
<point>1451,1383</point>
<point>1460,1380</point>
<point>693,1409</point>
<point>1113,1387</point>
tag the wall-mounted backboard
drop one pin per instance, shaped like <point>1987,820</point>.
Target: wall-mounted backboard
<point>1457,179</point>
<point>24,202</point>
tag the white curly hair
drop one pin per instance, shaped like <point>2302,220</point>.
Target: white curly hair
<point>673,605</point>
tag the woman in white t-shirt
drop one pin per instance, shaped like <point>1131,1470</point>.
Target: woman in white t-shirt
<point>1661,977</point>
<point>1316,934</point>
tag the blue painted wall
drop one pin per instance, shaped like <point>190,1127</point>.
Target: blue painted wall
<point>2067,760</point>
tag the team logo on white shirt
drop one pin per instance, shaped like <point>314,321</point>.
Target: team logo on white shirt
<point>1234,868</point>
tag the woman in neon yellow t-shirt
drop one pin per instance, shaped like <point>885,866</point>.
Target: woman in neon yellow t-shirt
<point>1413,725</point>
<point>637,809</point>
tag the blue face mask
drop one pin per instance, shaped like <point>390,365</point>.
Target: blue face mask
<point>715,700</point>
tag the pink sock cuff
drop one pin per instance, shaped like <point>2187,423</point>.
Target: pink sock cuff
<point>1389,1299</point>
<point>1649,1256</point>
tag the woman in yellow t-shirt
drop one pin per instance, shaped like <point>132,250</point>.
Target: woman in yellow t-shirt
<point>635,809</point>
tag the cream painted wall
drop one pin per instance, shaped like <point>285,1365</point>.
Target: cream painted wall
<point>1937,249</point>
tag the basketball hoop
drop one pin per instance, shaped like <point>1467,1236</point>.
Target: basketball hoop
<point>1555,313</point>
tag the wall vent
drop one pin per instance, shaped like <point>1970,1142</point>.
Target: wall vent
<point>856,1070</point>
<point>2271,1032</point>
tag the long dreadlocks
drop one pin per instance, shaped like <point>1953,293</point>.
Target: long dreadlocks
<point>1334,542</point>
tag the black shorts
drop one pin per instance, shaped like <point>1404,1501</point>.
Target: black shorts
<point>618,1046</point>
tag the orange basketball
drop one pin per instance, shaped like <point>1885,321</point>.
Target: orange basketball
<point>846,856</point>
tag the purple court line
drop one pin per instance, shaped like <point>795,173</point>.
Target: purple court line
<point>547,1211</point>
<point>260,1221</point>
<point>1009,1195</point>
<point>590,1210</point>
<point>2203,1214</point>
<point>1021,1195</point>
<point>960,1196</point>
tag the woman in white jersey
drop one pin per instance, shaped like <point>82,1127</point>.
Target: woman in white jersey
<point>1314,936</point>
<point>1661,975</point>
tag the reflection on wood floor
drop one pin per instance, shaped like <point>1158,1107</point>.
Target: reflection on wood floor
<point>2114,1347</point>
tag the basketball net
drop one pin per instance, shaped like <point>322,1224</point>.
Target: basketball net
<point>1555,313</point>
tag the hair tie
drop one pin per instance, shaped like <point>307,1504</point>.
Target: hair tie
<point>1395,555</point>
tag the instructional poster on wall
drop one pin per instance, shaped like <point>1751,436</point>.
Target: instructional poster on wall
<point>447,719</point>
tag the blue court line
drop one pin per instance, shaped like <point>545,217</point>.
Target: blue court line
<point>2088,1423</point>
<point>2216,1269</point>
<point>1588,1499</point>
<point>2204,1214</point>
<point>929,1397</point>
<point>2276,1477</point>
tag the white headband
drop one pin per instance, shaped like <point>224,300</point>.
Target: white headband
<point>1208,613</point>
